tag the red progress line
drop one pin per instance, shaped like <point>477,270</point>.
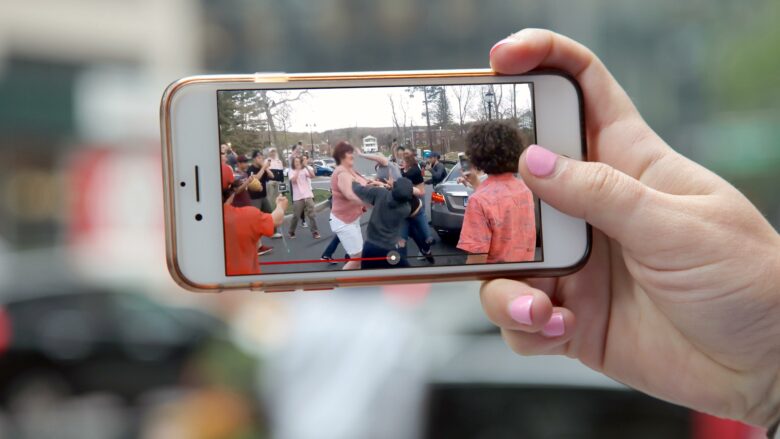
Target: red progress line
<point>314,261</point>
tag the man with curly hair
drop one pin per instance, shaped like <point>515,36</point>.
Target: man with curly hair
<point>499,224</point>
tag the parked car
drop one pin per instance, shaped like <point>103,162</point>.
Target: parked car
<point>448,204</point>
<point>323,170</point>
<point>325,162</point>
<point>76,341</point>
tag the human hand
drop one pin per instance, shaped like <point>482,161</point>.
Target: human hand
<point>469,178</point>
<point>245,184</point>
<point>281,201</point>
<point>681,295</point>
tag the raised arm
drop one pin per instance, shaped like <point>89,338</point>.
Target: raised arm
<point>365,193</point>
<point>281,208</point>
<point>266,168</point>
<point>379,158</point>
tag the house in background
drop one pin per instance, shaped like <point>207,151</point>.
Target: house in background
<point>369,144</point>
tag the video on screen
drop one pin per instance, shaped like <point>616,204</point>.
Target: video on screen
<point>376,177</point>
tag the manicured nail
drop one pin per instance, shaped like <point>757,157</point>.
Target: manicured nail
<point>555,327</point>
<point>540,161</point>
<point>500,43</point>
<point>520,309</point>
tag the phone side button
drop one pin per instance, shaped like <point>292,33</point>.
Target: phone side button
<point>274,290</point>
<point>318,289</point>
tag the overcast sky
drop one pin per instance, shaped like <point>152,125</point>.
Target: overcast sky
<point>370,107</point>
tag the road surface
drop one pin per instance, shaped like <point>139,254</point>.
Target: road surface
<point>305,248</point>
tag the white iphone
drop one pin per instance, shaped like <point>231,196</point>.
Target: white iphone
<point>281,182</point>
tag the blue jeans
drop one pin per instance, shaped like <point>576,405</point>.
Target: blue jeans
<point>334,244</point>
<point>417,228</point>
<point>371,250</point>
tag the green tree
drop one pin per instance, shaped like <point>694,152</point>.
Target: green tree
<point>441,113</point>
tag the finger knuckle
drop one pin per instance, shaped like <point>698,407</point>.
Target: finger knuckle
<point>518,344</point>
<point>601,180</point>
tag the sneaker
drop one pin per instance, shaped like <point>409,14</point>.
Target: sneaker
<point>291,235</point>
<point>264,249</point>
<point>305,226</point>
<point>316,235</point>
<point>429,257</point>
<point>276,235</point>
<point>328,259</point>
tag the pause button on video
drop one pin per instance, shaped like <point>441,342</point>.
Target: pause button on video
<point>393,257</point>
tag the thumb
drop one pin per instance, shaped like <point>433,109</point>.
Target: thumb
<point>606,198</point>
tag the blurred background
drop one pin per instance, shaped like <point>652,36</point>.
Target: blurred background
<point>97,342</point>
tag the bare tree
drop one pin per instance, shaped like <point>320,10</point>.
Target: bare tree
<point>400,111</point>
<point>272,101</point>
<point>464,95</point>
<point>499,100</point>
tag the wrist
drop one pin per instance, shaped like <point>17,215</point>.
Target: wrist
<point>767,412</point>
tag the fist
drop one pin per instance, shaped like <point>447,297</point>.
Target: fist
<point>281,200</point>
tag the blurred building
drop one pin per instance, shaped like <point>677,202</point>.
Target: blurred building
<point>76,74</point>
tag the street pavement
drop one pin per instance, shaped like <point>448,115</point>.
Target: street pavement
<point>305,248</point>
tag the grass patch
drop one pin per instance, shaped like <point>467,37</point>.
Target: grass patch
<point>319,195</point>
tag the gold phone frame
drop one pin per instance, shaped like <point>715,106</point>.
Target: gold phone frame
<point>343,279</point>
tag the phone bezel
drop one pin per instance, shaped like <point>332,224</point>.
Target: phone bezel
<point>189,129</point>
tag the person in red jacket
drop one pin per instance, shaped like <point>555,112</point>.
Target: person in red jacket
<point>244,226</point>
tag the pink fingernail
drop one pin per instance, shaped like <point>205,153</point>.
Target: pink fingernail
<point>520,309</point>
<point>500,43</point>
<point>540,161</point>
<point>555,327</point>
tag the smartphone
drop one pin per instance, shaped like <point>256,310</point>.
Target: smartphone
<point>208,244</point>
<point>464,163</point>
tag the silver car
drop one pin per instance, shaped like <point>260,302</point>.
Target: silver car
<point>448,204</point>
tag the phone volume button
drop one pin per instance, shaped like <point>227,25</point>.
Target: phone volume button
<point>263,77</point>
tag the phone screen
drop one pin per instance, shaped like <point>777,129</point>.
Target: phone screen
<point>394,176</point>
<point>464,164</point>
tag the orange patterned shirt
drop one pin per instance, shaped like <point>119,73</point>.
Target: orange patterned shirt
<point>500,220</point>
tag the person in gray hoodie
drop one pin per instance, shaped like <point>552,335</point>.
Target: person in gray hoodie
<point>391,208</point>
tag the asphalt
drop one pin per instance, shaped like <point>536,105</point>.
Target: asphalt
<point>305,248</point>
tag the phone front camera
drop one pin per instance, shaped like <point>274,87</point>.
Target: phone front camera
<point>198,217</point>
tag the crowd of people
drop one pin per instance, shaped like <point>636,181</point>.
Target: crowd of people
<point>499,221</point>
<point>247,218</point>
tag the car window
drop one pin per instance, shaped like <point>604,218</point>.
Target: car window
<point>454,173</point>
<point>142,321</point>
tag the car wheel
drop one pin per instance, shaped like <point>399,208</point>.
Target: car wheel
<point>36,390</point>
<point>450,238</point>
